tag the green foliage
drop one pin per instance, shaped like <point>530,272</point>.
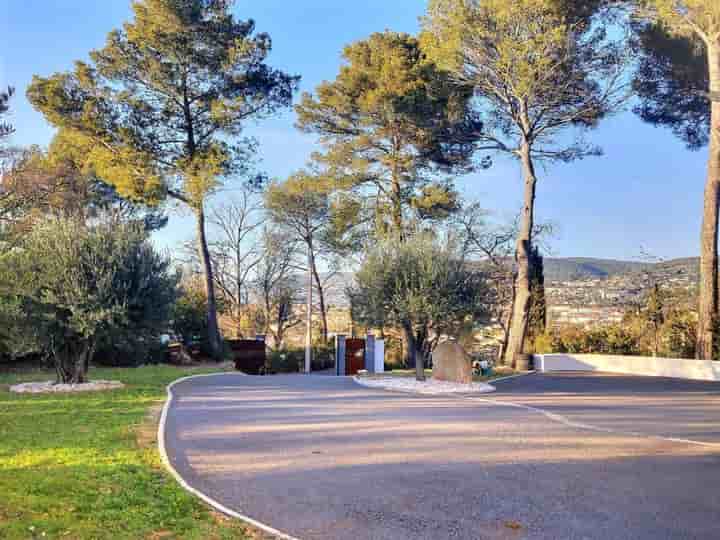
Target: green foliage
<point>664,326</point>
<point>70,290</point>
<point>5,128</point>
<point>420,286</point>
<point>390,122</point>
<point>71,467</point>
<point>538,311</point>
<point>161,102</point>
<point>189,315</point>
<point>672,81</point>
<point>538,67</point>
<point>293,360</point>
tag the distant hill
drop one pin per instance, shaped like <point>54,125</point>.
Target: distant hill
<point>574,268</point>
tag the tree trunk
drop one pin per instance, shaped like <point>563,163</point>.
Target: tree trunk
<point>521,305</point>
<point>415,356</point>
<point>408,348</point>
<point>72,362</point>
<point>708,298</point>
<point>214,340</point>
<point>308,324</point>
<point>321,299</point>
<point>397,216</point>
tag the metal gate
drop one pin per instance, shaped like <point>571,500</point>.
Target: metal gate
<point>354,355</point>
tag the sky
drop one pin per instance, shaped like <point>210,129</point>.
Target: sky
<point>643,195</point>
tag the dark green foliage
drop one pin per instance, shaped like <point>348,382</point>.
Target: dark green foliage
<point>293,360</point>
<point>538,307</point>
<point>5,128</point>
<point>391,123</point>
<point>421,286</point>
<point>672,83</point>
<point>71,290</point>
<point>189,316</point>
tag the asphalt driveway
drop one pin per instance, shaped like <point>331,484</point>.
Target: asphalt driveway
<point>547,457</point>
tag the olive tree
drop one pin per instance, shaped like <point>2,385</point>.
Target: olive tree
<point>70,289</point>
<point>422,285</point>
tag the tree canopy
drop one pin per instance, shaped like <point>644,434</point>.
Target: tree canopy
<point>70,289</point>
<point>392,121</point>
<point>423,286</point>
<point>679,86</point>
<point>672,79</point>
<point>160,109</point>
<point>542,74</point>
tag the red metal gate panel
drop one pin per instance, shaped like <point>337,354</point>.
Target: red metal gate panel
<point>354,356</point>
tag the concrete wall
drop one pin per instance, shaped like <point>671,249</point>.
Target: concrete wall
<point>703,370</point>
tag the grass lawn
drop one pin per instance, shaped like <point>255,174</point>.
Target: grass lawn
<point>71,466</point>
<point>497,373</point>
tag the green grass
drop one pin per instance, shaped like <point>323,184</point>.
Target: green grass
<point>71,466</point>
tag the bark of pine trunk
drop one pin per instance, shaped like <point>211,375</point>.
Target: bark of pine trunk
<point>214,340</point>
<point>521,304</point>
<point>708,297</point>
<point>308,327</point>
<point>397,206</point>
<point>507,321</point>
<point>321,300</point>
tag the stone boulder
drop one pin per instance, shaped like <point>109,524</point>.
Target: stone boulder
<point>451,363</point>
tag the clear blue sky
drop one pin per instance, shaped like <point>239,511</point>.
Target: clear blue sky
<point>645,191</point>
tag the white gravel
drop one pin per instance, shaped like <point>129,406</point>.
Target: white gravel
<point>50,387</point>
<point>429,386</point>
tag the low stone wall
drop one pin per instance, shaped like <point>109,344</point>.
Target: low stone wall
<point>702,370</point>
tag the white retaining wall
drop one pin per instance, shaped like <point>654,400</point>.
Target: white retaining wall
<point>703,370</point>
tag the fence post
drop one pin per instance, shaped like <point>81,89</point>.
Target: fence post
<point>370,353</point>
<point>340,355</point>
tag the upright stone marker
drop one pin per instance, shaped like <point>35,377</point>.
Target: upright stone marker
<point>451,363</point>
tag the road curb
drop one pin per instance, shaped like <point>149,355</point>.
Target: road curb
<point>185,485</point>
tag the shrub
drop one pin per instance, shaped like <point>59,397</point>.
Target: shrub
<point>70,290</point>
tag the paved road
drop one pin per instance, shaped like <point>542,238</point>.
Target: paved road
<point>322,458</point>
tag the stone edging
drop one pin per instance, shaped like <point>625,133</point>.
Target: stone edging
<point>187,487</point>
<point>482,387</point>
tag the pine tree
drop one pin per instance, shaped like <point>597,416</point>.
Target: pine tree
<point>160,109</point>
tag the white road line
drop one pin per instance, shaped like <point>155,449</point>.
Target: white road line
<point>500,379</point>
<point>209,500</point>
<point>588,427</point>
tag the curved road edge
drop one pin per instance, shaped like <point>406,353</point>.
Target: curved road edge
<point>185,485</point>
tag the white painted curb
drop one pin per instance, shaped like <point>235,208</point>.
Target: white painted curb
<point>206,498</point>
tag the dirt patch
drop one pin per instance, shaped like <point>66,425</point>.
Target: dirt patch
<point>146,433</point>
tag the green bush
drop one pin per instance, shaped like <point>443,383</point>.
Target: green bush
<point>71,289</point>
<point>293,360</point>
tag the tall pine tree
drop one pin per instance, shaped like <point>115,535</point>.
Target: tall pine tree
<point>160,109</point>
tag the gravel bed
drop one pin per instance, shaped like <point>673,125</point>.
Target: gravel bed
<point>429,386</point>
<point>49,387</point>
